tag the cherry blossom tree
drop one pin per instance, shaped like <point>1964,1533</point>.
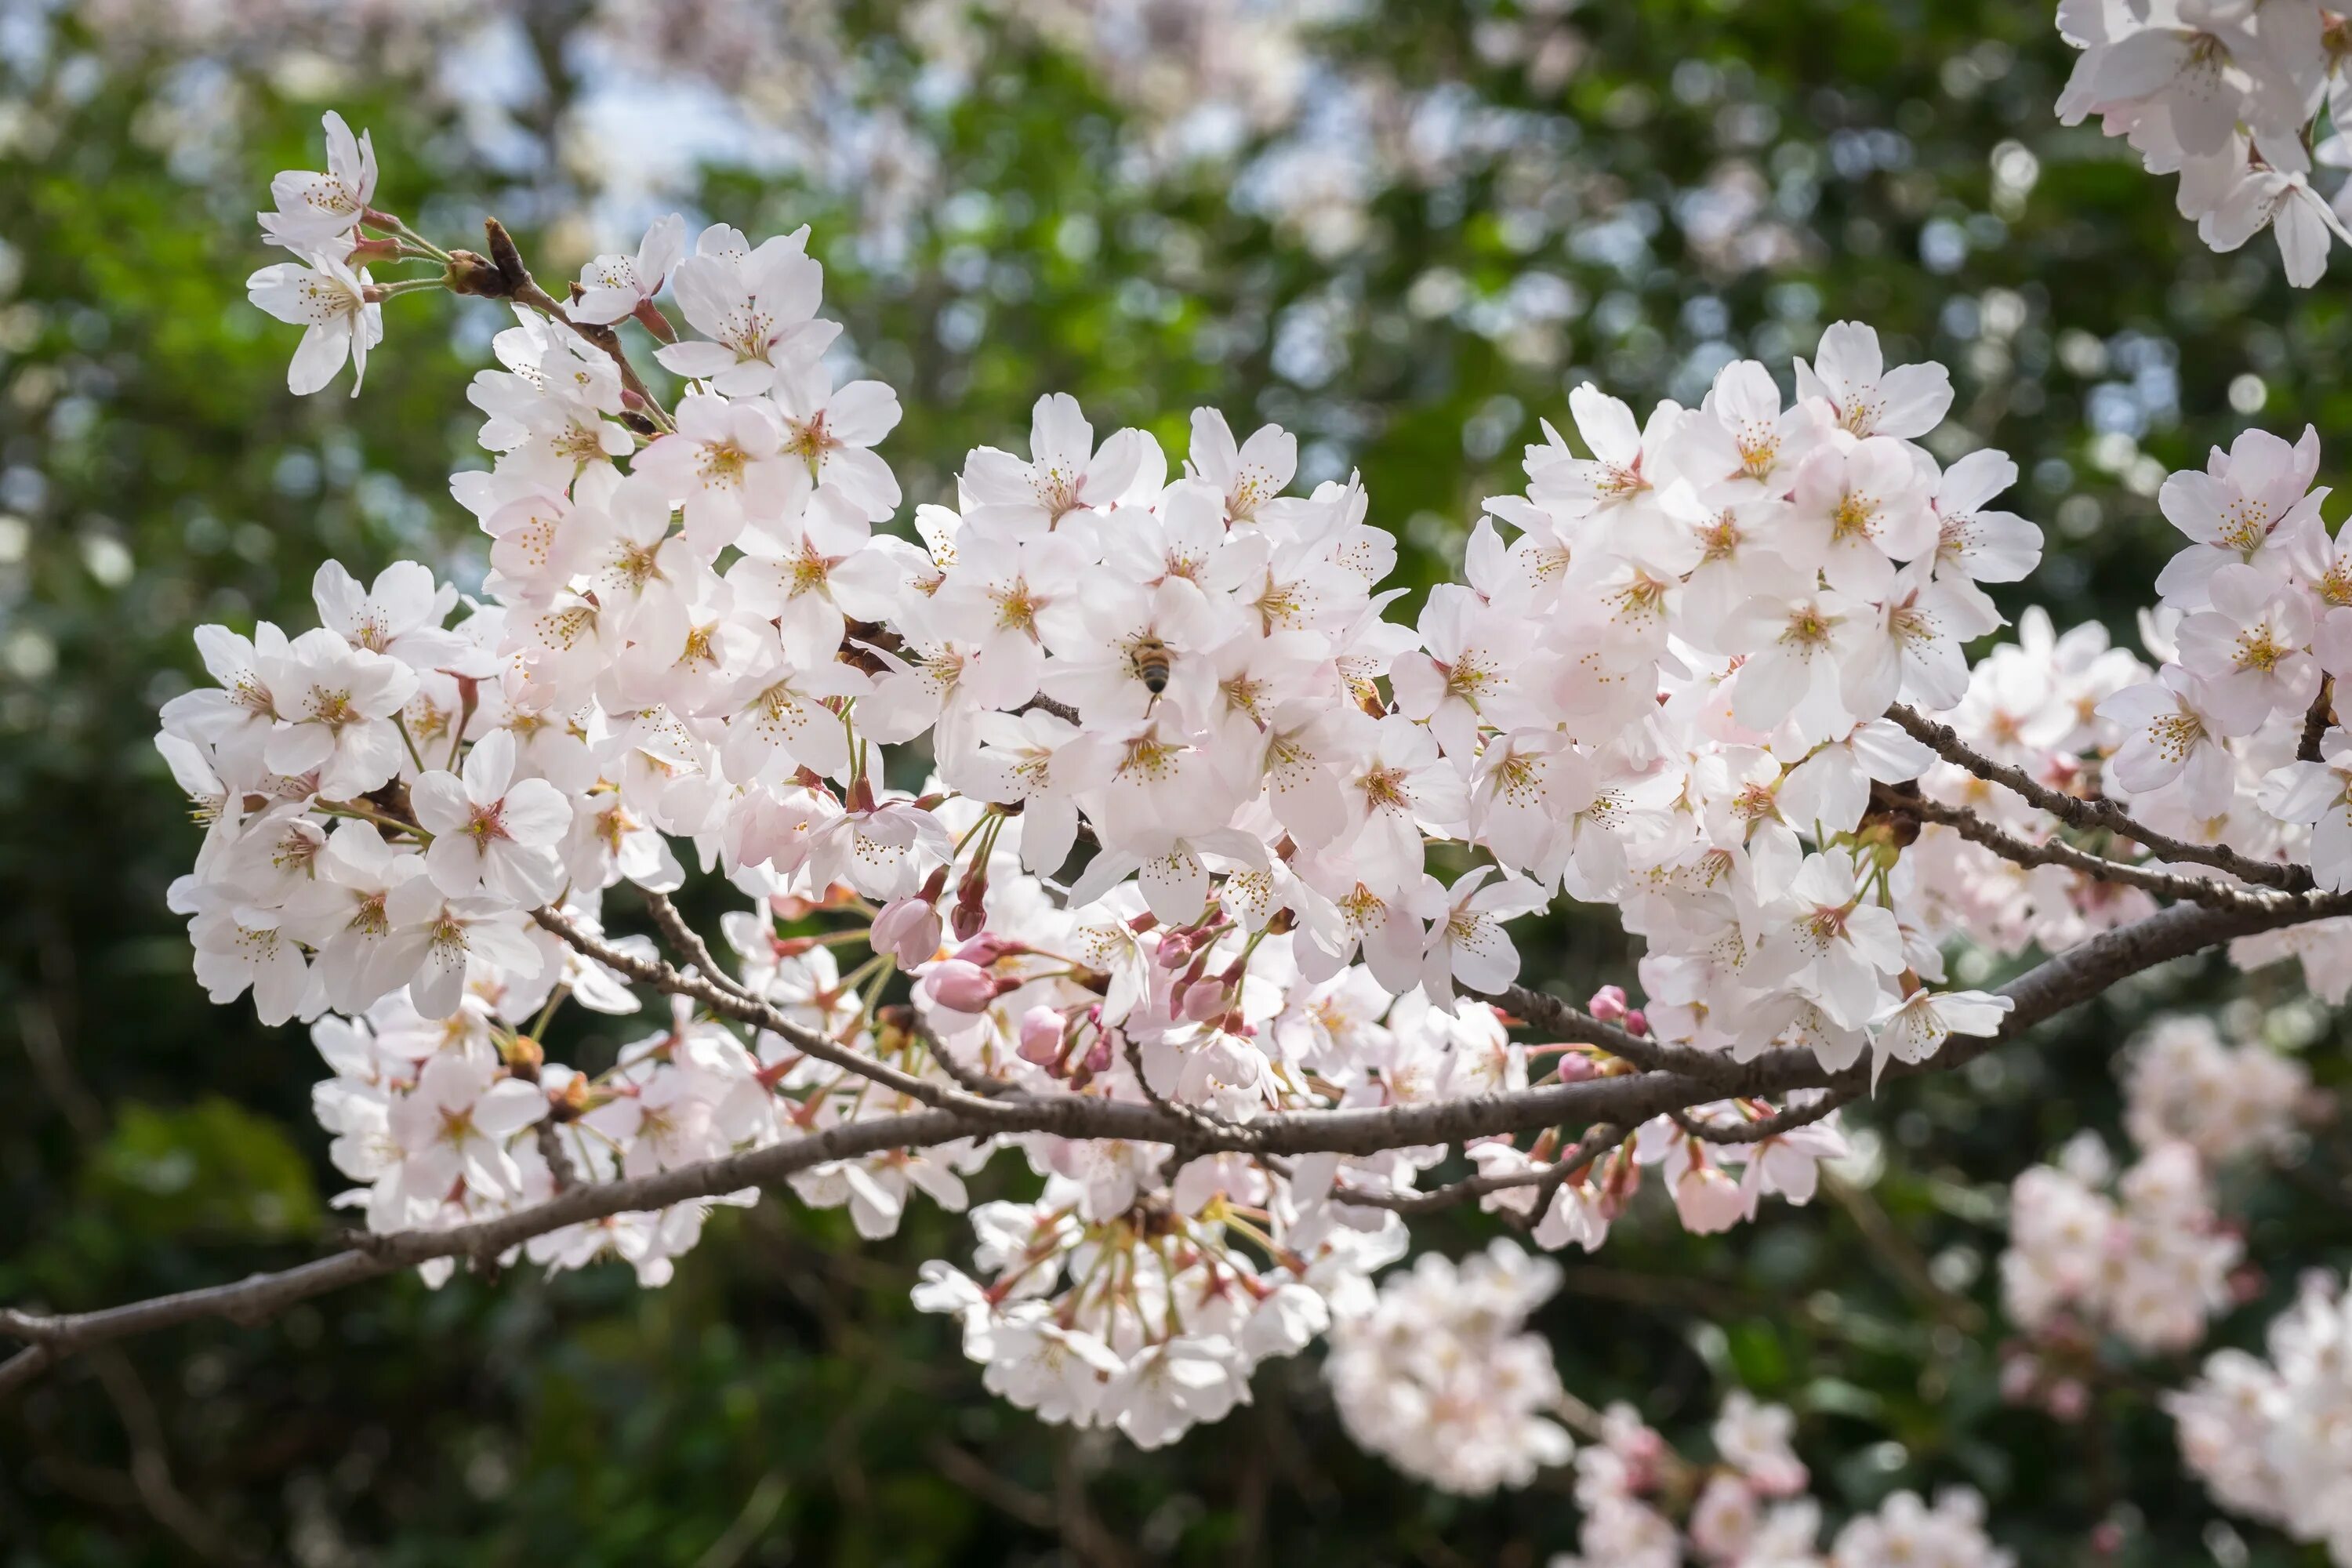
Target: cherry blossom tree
<point>1144,836</point>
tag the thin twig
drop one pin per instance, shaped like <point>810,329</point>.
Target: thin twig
<point>2100,816</point>
<point>1787,1119</point>
<point>1566,1020</point>
<point>1596,1142</point>
<point>972,1078</point>
<point>2056,852</point>
<point>744,1009</point>
<point>690,944</point>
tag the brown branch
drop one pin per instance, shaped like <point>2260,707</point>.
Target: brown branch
<point>690,945</point>
<point>1566,1020</point>
<point>1622,1100</point>
<point>1596,1142</point>
<point>503,275</point>
<point>2316,723</point>
<point>2095,816</point>
<point>1062,711</point>
<point>2056,852</point>
<point>1787,1119</point>
<point>255,1300</point>
<point>747,1009</point>
<point>972,1078</point>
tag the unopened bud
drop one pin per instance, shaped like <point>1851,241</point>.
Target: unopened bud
<point>1607,1005</point>
<point>958,986</point>
<point>908,930</point>
<point>1204,1000</point>
<point>1040,1036</point>
<point>986,948</point>
<point>967,920</point>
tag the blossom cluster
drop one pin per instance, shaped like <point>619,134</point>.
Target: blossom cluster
<point>2226,747</point>
<point>2227,94</point>
<point>2145,1254</point>
<point>2266,1435</point>
<point>1121,787</point>
<point>1647,1506</point>
<point>1439,1375</point>
<point>2150,1264</point>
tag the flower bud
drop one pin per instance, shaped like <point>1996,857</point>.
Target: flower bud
<point>1204,1000</point>
<point>960,986</point>
<point>1040,1036</point>
<point>985,948</point>
<point>968,921</point>
<point>1607,1005</point>
<point>907,929</point>
<point>1636,1022</point>
<point>1098,1054</point>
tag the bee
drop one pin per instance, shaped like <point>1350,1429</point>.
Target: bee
<point>1151,659</point>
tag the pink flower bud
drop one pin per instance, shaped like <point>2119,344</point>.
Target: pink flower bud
<point>1607,1005</point>
<point>1204,1000</point>
<point>1575,1067</point>
<point>960,986</point>
<point>1040,1036</point>
<point>907,929</point>
<point>1098,1054</point>
<point>1636,1022</point>
<point>969,920</point>
<point>986,948</point>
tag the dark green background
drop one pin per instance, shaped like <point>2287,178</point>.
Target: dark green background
<point>781,1402</point>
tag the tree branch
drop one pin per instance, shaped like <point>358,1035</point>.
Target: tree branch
<point>1596,1142</point>
<point>2099,815</point>
<point>2055,852</point>
<point>730,1002</point>
<point>1621,1100</point>
<point>2316,723</point>
<point>1785,1121</point>
<point>690,945</point>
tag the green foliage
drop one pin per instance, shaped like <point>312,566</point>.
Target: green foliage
<point>211,1171</point>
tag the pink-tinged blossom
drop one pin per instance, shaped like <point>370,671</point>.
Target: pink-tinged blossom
<point>758,311</point>
<point>492,831</point>
<point>1864,398</point>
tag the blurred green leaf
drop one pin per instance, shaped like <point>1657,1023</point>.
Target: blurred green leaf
<point>209,1172</point>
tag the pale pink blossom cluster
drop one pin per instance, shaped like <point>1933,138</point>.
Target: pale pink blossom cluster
<point>2228,95</point>
<point>2146,1254</point>
<point>2252,627</point>
<point>1439,1375</point>
<point>2184,1082</point>
<point>2269,1436</point>
<point>2140,1254</point>
<point>1647,1507</point>
<point>1167,779</point>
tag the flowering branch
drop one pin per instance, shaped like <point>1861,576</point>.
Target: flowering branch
<point>1691,683</point>
<point>2098,816</point>
<point>1611,1103</point>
